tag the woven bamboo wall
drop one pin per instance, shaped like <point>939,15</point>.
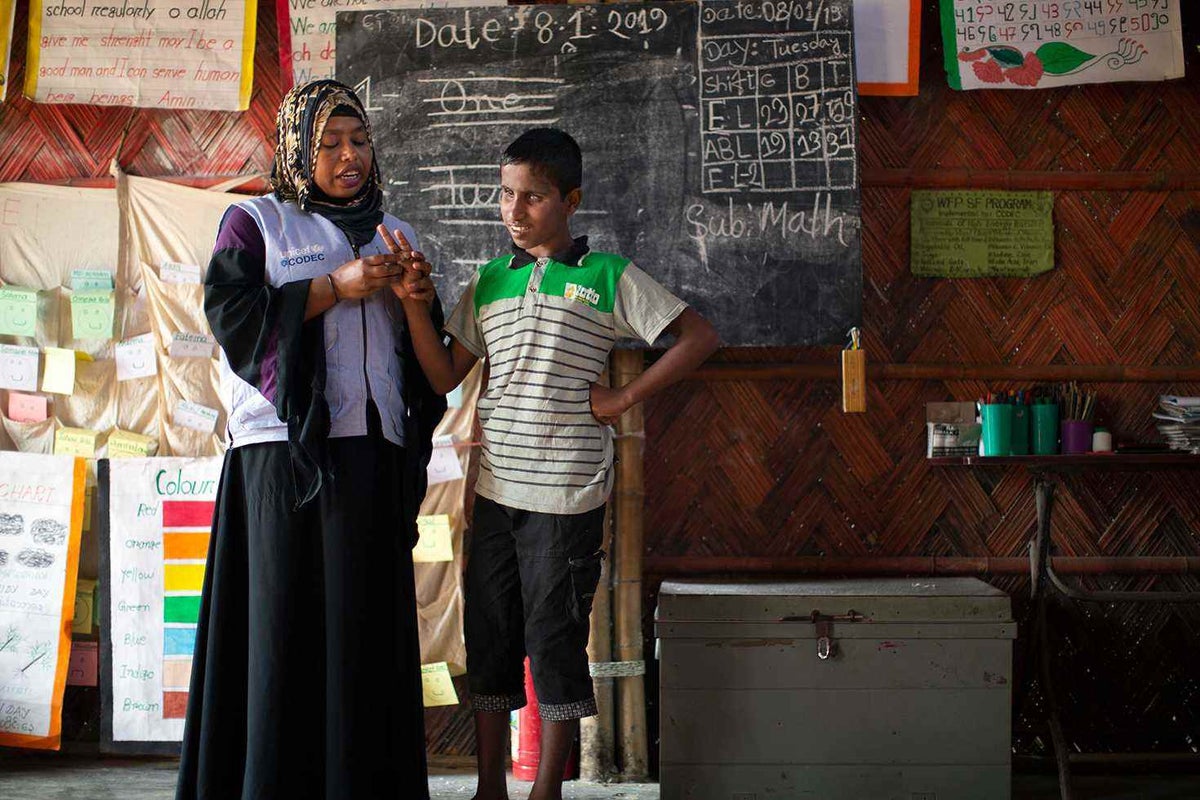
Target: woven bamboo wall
<point>761,468</point>
<point>774,468</point>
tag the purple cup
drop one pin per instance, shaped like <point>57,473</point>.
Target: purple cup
<point>1076,436</point>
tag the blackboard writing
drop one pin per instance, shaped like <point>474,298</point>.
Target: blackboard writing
<point>719,143</point>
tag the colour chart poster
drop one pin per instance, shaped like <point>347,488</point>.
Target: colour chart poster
<point>159,513</point>
<point>180,54</point>
<point>41,517</point>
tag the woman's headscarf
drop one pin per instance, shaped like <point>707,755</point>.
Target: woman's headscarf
<point>301,123</point>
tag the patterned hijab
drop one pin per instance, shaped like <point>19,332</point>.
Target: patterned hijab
<point>301,121</point>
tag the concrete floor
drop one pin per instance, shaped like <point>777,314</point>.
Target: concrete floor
<point>54,777</point>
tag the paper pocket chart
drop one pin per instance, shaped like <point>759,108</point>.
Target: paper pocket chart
<point>19,368</point>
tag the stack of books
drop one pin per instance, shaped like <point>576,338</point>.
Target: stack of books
<point>1179,422</point>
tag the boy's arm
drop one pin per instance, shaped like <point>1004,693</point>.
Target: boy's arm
<point>696,341</point>
<point>444,367</point>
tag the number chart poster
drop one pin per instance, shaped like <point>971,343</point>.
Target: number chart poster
<point>991,44</point>
<point>41,518</point>
<point>181,54</point>
<point>153,549</point>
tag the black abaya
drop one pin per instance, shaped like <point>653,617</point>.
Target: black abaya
<point>306,682</point>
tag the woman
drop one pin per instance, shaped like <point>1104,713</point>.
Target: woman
<point>306,679</point>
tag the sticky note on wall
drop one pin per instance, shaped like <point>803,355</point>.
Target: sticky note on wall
<point>436,687</point>
<point>75,442</point>
<point>124,444</point>
<point>19,367</point>
<point>83,668</point>
<point>195,416</point>
<point>18,311</point>
<point>92,314</point>
<point>85,598</point>
<point>135,358</point>
<point>58,374</point>
<point>27,407</point>
<point>83,280</point>
<point>435,543</point>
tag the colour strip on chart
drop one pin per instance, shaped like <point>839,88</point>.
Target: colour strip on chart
<point>186,546</point>
<point>186,526</point>
<point>181,608</point>
<point>177,674</point>
<point>188,514</point>
<point>175,705</point>
<point>183,577</point>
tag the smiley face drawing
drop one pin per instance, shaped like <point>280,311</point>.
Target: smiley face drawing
<point>92,315</point>
<point>18,368</point>
<point>18,311</point>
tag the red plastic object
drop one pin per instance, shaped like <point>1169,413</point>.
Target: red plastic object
<point>526,730</point>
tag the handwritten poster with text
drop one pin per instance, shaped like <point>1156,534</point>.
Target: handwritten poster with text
<point>41,517</point>
<point>184,54</point>
<point>159,518</point>
<point>1037,45</point>
<point>308,32</point>
<point>8,10</point>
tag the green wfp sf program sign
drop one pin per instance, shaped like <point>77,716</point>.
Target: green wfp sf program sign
<point>976,234</point>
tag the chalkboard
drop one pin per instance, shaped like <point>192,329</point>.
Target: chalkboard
<point>719,143</point>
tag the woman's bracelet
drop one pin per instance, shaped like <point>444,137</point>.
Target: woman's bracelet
<point>332,287</point>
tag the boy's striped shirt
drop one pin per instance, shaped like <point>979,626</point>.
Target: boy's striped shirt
<point>546,328</point>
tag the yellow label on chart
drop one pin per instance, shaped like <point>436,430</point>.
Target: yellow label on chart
<point>124,444</point>
<point>75,442</point>
<point>435,542</point>
<point>436,686</point>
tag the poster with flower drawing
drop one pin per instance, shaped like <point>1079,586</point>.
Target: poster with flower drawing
<point>1041,44</point>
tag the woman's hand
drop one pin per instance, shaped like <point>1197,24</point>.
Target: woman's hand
<point>364,276</point>
<point>416,285</point>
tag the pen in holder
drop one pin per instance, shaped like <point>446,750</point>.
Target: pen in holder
<point>1077,420</point>
<point>1018,441</point>
<point>1076,436</point>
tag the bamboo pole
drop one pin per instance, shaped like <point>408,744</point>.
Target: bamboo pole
<point>1049,180</point>
<point>872,177</point>
<point>666,566</point>
<point>596,733</point>
<point>726,371</point>
<point>627,582</point>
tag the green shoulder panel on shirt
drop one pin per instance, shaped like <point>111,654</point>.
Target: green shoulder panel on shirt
<point>498,282</point>
<point>593,282</point>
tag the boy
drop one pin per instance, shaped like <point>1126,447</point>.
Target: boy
<point>545,318</point>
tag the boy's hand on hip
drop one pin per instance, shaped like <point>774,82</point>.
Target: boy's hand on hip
<point>608,404</point>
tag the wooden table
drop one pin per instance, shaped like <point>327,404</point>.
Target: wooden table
<point>1047,472</point>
